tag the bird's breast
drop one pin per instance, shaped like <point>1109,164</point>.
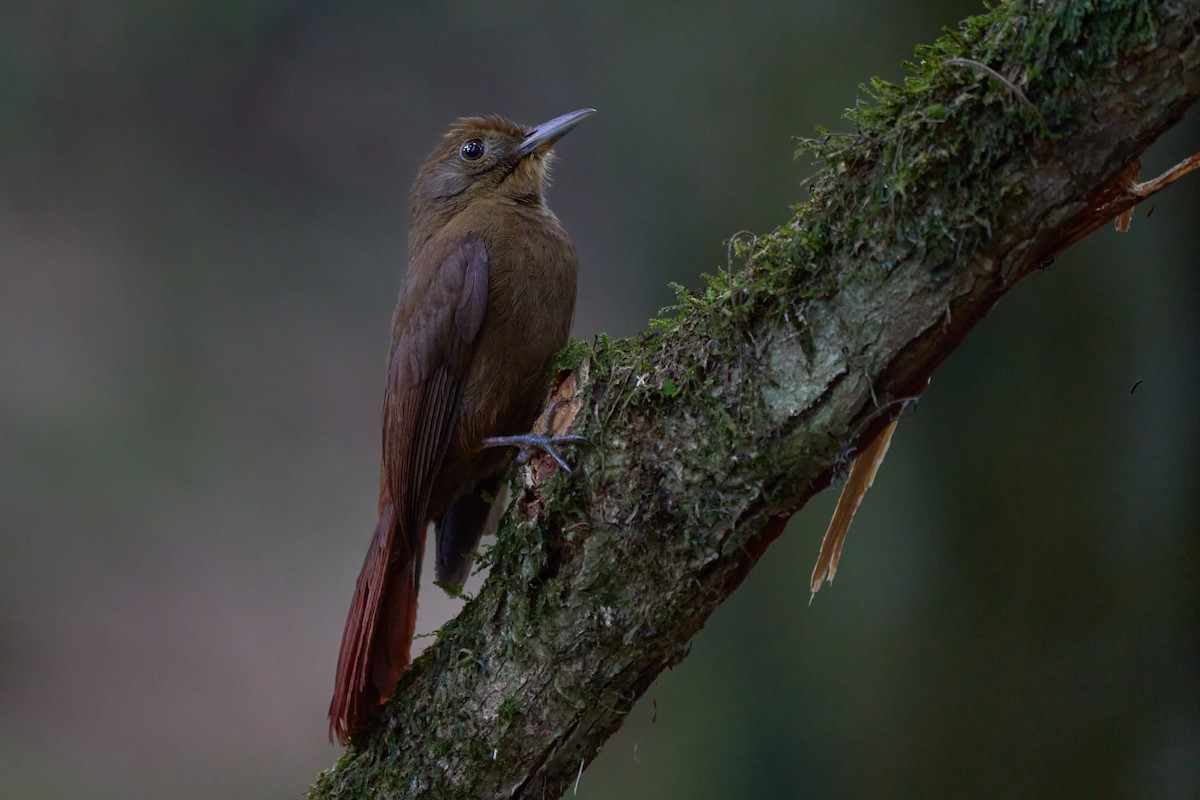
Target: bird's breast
<point>532,272</point>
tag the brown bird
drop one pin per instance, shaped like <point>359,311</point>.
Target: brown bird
<point>486,305</point>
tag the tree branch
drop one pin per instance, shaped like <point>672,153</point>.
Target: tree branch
<point>1016,135</point>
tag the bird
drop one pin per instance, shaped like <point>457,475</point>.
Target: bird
<point>485,306</point>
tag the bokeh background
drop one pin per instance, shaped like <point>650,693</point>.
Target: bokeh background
<point>202,232</point>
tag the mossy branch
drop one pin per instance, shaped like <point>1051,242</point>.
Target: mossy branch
<point>1016,134</point>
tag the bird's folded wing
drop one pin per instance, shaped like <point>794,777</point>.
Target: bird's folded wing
<point>428,364</point>
<point>430,354</point>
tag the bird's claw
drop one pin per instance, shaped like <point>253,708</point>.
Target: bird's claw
<point>533,441</point>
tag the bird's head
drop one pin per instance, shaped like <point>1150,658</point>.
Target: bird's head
<point>488,157</point>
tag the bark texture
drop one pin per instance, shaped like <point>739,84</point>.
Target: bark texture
<point>1016,135</point>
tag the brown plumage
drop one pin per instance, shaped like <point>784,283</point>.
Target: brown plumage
<point>486,304</point>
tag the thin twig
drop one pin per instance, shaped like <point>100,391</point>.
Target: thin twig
<point>729,245</point>
<point>1153,186</point>
<point>1016,90</point>
<point>1135,192</point>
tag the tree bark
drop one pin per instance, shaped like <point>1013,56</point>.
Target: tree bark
<point>1016,135</point>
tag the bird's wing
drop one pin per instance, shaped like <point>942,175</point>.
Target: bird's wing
<point>862,475</point>
<point>425,374</point>
<point>430,354</point>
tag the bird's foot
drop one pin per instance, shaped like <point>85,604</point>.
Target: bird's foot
<point>533,441</point>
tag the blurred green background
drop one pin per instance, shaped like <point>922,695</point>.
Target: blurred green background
<point>202,232</point>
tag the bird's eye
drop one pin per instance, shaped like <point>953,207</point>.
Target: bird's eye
<point>472,150</point>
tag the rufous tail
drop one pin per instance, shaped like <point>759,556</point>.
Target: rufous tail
<point>862,475</point>
<point>379,630</point>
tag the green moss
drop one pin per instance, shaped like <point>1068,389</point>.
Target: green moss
<point>571,355</point>
<point>996,83</point>
<point>509,711</point>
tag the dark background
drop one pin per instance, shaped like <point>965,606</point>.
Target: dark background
<point>202,231</point>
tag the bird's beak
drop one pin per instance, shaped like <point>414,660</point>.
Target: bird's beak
<point>546,134</point>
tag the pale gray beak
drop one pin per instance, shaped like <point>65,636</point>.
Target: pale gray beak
<point>546,134</point>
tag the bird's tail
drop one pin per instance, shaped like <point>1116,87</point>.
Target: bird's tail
<point>460,529</point>
<point>379,629</point>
